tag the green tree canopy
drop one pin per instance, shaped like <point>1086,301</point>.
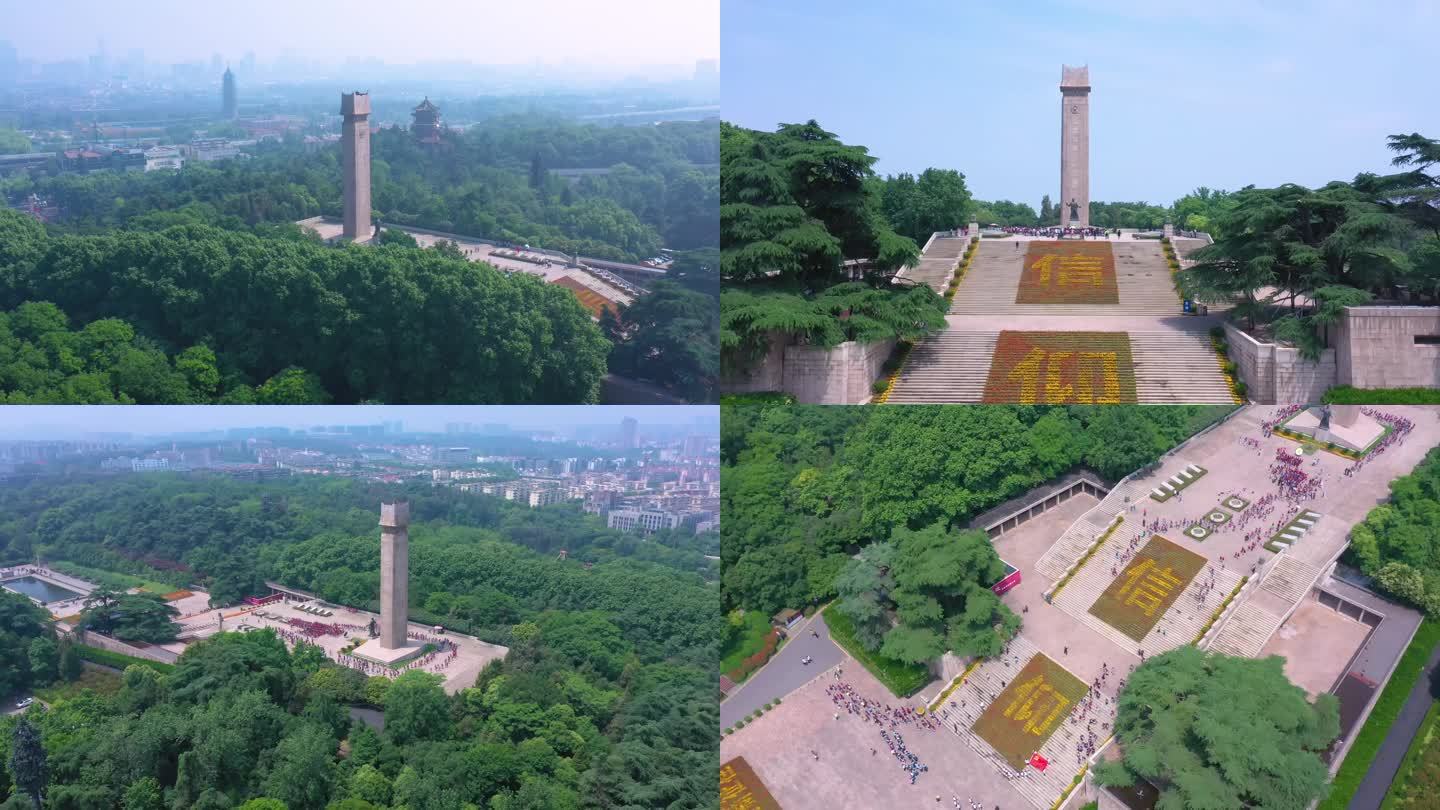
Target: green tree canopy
<point>1216,732</point>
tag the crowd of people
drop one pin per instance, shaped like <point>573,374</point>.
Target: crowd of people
<point>910,763</point>
<point>1055,232</point>
<point>435,661</point>
<point>1087,713</point>
<point>1268,427</point>
<point>844,696</point>
<point>1399,428</point>
<point>1203,589</point>
<point>1294,483</point>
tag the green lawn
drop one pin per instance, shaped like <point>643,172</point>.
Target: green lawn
<point>748,642</point>
<point>899,677</point>
<point>112,578</point>
<point>1422,753</point>
<point>1387,708</point>
<point>102,681</point>
<point>120,660</point>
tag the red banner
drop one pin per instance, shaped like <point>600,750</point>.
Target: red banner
<point>1038,762</point>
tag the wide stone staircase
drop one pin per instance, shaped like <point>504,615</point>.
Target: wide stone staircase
<point>1254,620</point>
<point>937,264</point>
<point>1177,368</point>
<point>991,284</point>
<point>1170,367</point>
<point>1040,788</point>
<point>1082,533</point>
<point>1181,624</point>
<point>1246,631</point>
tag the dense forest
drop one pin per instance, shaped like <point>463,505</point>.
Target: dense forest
<point>43,360</point>
<point>1291,258</point>
<point>490,181</point>
<point>795,204</point>
<point>348,326</point>
<point>1398,543</point>
<point>387,324</point>
<point>804,488</point>
<point>606,699</point>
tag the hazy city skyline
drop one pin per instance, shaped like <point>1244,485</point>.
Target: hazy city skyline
<point>41,422</point>
<point>609,36</point>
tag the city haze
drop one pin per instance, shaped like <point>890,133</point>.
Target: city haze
<point>71,421</point>
<point>614,36</point>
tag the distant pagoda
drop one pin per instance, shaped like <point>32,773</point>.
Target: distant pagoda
<point>426,125</point>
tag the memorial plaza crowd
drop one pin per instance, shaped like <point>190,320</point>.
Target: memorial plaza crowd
<point>1061,233</point>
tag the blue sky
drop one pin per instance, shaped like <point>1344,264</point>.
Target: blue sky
<point>1219,93</point>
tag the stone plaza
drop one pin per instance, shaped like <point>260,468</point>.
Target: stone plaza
<point>377,644</point>
<point>1241,599</point>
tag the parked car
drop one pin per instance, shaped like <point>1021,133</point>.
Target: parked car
<point>25,704</point>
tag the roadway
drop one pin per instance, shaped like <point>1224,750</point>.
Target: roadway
<point>784,674</point>
<point>1382,770</point>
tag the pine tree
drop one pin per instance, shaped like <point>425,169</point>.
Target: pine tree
<point>537,171</point>
<point>27,762</point>
<point>70,663</point>
<point>1047,211</point>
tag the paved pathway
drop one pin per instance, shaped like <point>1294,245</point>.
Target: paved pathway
<point>784,674</point>
<point>1387,761</point>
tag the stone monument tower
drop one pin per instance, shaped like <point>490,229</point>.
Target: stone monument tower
<point>355,163</point>
<point>394,573</point>
<point>1074,146</point>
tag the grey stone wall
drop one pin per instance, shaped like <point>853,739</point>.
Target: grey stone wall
<point>160,654</point>
<point>1277,374</point>
<point>1376,347</point>
<point>766,375</point>
<point>837,376</point>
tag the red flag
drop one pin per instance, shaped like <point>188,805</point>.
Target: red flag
<point>1038,762</point>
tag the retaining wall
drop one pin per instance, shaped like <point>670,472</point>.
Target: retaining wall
<point>1376,347</point>
<point>160,654</point>
<point>1275,373</point>
<point>841,375</point>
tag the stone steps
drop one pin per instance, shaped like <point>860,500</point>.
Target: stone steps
<point>937,265</point>
<point>1170,367</point>
<point>1078,537</point>
<point>1181,623</point>
<point>977,693</point>
<point>1246,631</point>
<point>1142,277</point>
<point>1290,578</point>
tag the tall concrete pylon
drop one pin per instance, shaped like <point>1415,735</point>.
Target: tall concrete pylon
<point>355,163</point>
<point>1074,146</point>
<point>394,573</point>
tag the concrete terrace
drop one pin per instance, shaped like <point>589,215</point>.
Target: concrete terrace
<point>1172,359</point>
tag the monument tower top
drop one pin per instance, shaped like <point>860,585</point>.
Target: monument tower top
<point>1074,78</point>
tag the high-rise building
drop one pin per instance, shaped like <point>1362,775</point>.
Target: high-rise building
<point>695,446</point>
<point>628,433</point>
<point>230,99</point>
<point>355,163</point>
